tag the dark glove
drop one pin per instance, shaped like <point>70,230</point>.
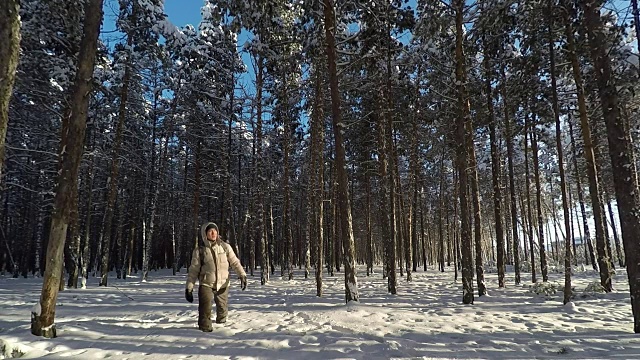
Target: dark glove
<point>188,294</point>
<point>243,282</point>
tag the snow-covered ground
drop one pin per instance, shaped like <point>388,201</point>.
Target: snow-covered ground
<point>285,320</point>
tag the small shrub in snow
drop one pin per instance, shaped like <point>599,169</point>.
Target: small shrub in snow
<point>593,289</point>
<point>10,353</point>
<point>544,288</point>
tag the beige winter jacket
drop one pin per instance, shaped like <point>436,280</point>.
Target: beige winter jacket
<point>214,272</point>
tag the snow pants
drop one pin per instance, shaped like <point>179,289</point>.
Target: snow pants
<point>206,296</point>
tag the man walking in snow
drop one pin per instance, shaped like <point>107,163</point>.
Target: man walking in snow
<point>210,263</point>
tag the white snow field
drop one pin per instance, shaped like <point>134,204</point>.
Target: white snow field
<point>285,320</point>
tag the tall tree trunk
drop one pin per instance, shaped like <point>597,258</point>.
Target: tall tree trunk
<point>604,263</point>
<point>616,240</point>
<point>413,240</point>
<point>441,207</point>
<point>119,229</point>
<point>589,254</point>
<point>154,188</point>
<point>259,198</point>
<point>71,148</point>
<point>463,131</point>
<point>544,266</point>
<point>72,252</point>
<point>311,212</point>
<point>351,284</point>
<point>636,23</point>
<point>195,211</point>
<point>286,209</point>
<point>368,225</point>
<point>9,54</point>
<point>510,134</point>
<point>497,191</point>
<point>563,184</point>
<point>477,219</point>
<point>86,245</point>
<point>425,233</point>
<point>112,182</point>
<point>229,228</point>
<point>528,197</point>
<point>318,146</point>
<point>621,152</point>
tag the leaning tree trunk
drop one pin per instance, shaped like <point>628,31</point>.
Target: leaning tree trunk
<point>71,148</point>
<point>563,184</point>
<point>351,284</point>
<point>625,176</point>
<point>604,263</point>
<point>9,53</point>
<point>463,131</point>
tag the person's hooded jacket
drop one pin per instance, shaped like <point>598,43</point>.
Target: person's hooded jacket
<point>217,256</point>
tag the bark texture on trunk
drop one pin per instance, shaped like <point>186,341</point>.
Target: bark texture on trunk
<point>463,130</point>
<point>9,54</point>
<point>351,284</point>
<point>604,263</point>
<point>71,148</point>
<point>625,176</point>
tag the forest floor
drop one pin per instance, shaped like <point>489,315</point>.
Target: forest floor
<point>138,320</point>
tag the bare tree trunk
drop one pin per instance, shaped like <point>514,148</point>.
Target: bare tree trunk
<point>425,233</point>
<point>415,173</point>
<point>368,225</point>
<point>621,152</point>
<point>528,189</point>
<point>86,245</point>
<point>317,143</point>
<point>286,209</point>
<point>73,248</point>
<point>9,54</point>
<point>112,182</point>
<point>563,185</point>
<point>440,214</point>
<point>463,131</point>
<point>512,188</point>
<point>587,234</point>
<point>477,219</point>
<point>616,240</point>
<point>351,284</point>
<point>71,148</point>
<point>636,23</point>
<point>119,251</point>
<point>604,263</point>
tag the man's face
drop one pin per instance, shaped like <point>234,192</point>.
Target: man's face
<point>212,234</point>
